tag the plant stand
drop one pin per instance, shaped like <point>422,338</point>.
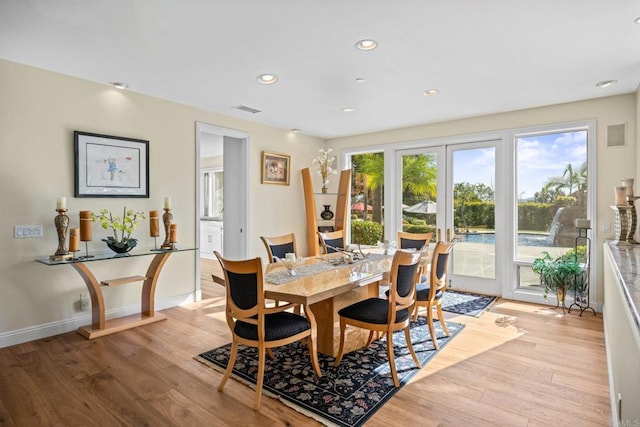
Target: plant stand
<point>581,298</point>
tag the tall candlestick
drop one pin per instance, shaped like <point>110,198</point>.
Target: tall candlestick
<point>167,203</point>
<point>154,223</point>
<point>167,218</point>
<point>621,196</point>
<point>74,240</point>
<point>86,226</point>
<point>628,183</point>
<point>173,233</point>
<point>61,222</point>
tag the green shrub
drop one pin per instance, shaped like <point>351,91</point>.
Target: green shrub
<point>366,232</point>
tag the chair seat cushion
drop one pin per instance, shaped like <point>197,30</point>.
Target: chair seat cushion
<point>277,326</point>
<point>372,310</point>
<point>422,293</point>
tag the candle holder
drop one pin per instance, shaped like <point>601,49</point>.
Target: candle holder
<point>633,217</point>
<point>154,228</point>
<point>86,231</point>
<point>167,218</point>
<point>622,222</point>
<point>61,222</point>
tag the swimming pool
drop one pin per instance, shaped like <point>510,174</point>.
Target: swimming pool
<point>524,239</point>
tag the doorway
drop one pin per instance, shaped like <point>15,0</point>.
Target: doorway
<point>450,190</point>
<point>222,202</point>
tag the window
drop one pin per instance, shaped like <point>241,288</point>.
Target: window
<point>212,193</point>
<point>367,197</point>
<point>551,190</point>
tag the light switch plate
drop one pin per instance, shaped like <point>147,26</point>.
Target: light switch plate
<point>27,231</point>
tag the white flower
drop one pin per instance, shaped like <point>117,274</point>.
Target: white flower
<point>324,164</point>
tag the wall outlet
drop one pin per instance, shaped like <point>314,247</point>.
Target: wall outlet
<point>85,302</point>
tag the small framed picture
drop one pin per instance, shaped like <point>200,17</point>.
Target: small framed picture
<point>275,168</point>
<point>110,166</point>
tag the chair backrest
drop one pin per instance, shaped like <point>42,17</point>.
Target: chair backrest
<point>439,267</point>
<point>330,240</point>
<point>245,291</point>
<point>413,240</point>
<point>402,281</point>
<point>279,246</point>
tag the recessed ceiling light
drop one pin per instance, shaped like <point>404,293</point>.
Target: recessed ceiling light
<point>606,83</point>
<point>366,44</point>
<point>360,80</point>
<point>119,85</point>
<point>295,130</point>
<point>267,79</point>
<point>431,92</point>
<point>348,109</point>
<point>637,20</point>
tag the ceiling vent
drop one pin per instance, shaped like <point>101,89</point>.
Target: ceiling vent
<point>247,109</point>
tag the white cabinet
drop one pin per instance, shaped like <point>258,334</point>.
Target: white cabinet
<point>211,237</point>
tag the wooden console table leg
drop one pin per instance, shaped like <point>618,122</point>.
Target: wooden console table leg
<point>149,286</point>
<point>97,300</point>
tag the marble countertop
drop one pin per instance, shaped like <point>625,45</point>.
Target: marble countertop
<point>627,268</point>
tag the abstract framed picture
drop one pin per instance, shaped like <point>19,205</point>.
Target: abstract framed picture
<point>110,166</point>
<point>275,168</point>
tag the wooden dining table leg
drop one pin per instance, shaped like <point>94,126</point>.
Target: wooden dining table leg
<point>313,341</point>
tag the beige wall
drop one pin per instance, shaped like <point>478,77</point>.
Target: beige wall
<point>613,164</point>
<point>39,110</point>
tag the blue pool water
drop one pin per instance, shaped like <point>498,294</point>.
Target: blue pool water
<point>524,239</point>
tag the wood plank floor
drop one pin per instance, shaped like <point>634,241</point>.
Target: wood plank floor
<point>517,365</point>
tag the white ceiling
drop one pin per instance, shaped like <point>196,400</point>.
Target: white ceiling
<point>484,56</point>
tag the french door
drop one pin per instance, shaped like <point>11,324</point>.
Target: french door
<point>450,190</point>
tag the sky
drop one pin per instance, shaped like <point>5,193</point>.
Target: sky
<point>538,158</point>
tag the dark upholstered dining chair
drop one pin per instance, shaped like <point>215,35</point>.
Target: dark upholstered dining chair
<point>430,294</point>
<point>330,240</point>
<point>279,246</point>
<point>254,324</point>
<point>387,315</point>
<point>413,240</point>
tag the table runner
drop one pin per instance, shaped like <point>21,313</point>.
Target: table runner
<point>282,276</point>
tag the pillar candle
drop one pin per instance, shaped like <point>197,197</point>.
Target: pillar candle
<point>74,240</point>
<point>61,203</point>
<point>154,223</point>
<point>167,202</point>
<point>86,225</point>
<point>621,196</point>
<point>173,233</point>
<point>628,182</point>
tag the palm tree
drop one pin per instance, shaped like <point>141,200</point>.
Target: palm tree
<point>571,181</point>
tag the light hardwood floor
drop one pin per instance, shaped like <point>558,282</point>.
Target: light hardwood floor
<point>517,365</point>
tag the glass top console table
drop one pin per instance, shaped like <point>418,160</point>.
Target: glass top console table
<point>100,326</point>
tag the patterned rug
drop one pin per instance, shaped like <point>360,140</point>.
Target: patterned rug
<point>466,303</point>
<point>347,395</point>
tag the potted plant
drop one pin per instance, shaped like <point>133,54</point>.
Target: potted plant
<point>121,242</point>
<point>559,274</point>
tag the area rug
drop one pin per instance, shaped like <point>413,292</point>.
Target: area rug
<point>346,395</point>
<point>466,303</point>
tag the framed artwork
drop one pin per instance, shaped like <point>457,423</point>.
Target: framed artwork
<point>110,166</point>
<point>275,168</point>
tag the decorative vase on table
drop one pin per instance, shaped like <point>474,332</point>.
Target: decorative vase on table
<point>326,214</point>
<point>120,247</point>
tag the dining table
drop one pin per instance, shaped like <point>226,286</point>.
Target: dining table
<point>323,285</point>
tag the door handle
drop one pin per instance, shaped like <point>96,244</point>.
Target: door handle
<point>448,235</point>
<point>439,235</point>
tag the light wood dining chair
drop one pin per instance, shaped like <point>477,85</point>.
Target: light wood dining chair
<point>279,246</point>
<point>413,240</point>
<point>254,324</point>
<point>387,315</point>
<point>331,240</point>
<point>429,295</point>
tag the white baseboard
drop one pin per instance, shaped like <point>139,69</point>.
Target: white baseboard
<point>45,330</point>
